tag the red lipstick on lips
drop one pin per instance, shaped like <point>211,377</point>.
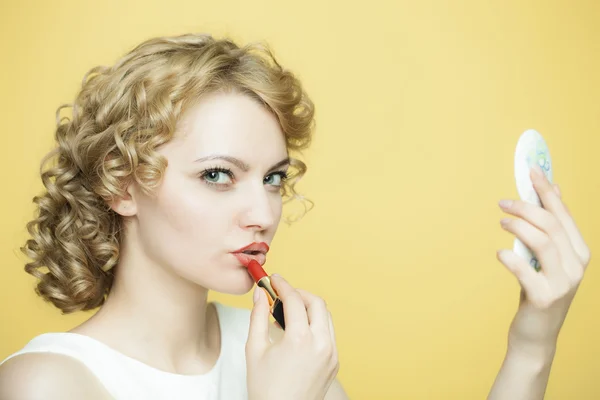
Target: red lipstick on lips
<point>254,251</point>
<point>263,281</point>
<point>259,247</point>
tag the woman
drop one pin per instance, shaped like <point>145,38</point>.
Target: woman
<point>177,160</point>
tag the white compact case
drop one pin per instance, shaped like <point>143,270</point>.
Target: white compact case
<point>531,150</point>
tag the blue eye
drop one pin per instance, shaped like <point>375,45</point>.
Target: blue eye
<point>276,179</point>
<point>218,176</point>
<point>223,177</point>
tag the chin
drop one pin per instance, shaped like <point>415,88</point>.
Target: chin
<point>236,282</point>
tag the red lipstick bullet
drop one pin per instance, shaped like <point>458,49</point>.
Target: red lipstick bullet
<point>263,281</point>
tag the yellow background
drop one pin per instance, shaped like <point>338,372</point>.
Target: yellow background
<point>419,106</point>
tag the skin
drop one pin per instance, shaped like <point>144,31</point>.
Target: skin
<point>177,247</point>
<point>552,234</point>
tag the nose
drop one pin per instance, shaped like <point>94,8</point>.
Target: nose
<point>260,210</point>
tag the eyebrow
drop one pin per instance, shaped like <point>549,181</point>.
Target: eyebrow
<point>239,163</point>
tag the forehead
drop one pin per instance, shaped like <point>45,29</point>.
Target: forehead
<point>233,124</point>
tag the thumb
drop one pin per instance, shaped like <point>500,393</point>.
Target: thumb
<point>258,335</point>
<point>557,190</point>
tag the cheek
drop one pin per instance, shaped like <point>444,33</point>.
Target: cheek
<point>277,209</point>
<point>182,221</point>
<point>191,211</point>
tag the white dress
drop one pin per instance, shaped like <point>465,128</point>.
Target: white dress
<point>127,378</point>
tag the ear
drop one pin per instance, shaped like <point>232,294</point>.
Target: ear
<point>125,206</point>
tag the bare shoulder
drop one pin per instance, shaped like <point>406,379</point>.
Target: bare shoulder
<point>33,376</point>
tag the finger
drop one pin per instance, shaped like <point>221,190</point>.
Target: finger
<point>533,284</point>
<point>296,319</point>
<point>335,356</point>
<point>258,335</point>
<point>557,191</point>
<point>331,329</point>
<point>540,243</point>
<point>559,194</point>
<point>542,219</point>
<point>316,309</point>
<point>275,332</point>
<point>545,221</point>
<point>552,202</point>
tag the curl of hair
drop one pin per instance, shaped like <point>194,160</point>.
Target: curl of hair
<point>119,117</point>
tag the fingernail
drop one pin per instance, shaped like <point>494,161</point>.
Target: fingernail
<point>505,203</point>
<point>276,275</point>
<point>255,294</point>
<point>537,170</point>
<point>505,221</point>
<point>557,190</point>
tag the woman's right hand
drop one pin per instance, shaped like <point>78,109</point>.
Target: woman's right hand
<point>304,363</point>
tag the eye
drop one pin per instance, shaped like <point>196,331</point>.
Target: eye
<point>218,176</point>
<point>276,178</point>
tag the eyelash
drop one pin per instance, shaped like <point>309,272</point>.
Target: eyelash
<point>216,169</point>
<point>283,175</point>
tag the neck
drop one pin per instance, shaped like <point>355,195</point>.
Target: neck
<point>158,316</point>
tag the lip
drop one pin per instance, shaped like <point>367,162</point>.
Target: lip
<point>246,258</point>
<point>261,257</point>
<point>261,247</point>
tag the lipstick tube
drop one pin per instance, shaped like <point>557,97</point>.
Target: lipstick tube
<point>263,281</point>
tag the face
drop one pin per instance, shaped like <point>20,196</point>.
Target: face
<point>221,191</point>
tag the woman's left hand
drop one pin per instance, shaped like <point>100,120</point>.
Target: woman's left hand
<point>551,233</point>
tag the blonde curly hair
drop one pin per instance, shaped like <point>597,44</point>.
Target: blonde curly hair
<point>119,117</point>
